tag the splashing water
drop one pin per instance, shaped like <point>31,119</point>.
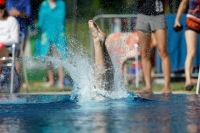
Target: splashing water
<point>81,69</point>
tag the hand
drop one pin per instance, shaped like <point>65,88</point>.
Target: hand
<point>177,26</point>
<point>14,12</point>
<point>177,23</point>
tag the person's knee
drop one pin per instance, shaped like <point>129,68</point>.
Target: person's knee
<point>146,54</point>
<point>18,67</point>
<point>191,53</point>
<point>163,53</point>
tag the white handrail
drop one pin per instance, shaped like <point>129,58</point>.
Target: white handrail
<point>23,63</point>
<point>12,69</point>
<point>114,16</point>
<point>136,67</point>
<point>198,81</point>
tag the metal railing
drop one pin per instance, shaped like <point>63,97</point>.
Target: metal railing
<point>198,82</point>
<point>109,18</point>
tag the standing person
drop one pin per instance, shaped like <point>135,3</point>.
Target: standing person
<point>191,35</point>
<point>151,19</point>
<point>51,24</point>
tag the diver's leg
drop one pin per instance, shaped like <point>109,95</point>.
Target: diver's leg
<point>98,38</point>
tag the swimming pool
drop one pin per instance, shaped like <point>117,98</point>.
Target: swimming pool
<point>177,113</point>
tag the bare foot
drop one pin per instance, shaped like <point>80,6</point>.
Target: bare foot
<point>166,94</point>
<point>49,84</point>
<point>96,31</point>
<point>166,91</point>
<point>61,86</point>
<point>24,85</point>
<point>144,91</point>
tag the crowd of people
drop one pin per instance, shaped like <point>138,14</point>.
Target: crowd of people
<point>16,17</point>
<point>151,22</point>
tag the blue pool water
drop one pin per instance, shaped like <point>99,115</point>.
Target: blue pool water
<point>86,111</point>
<point>177,113</point>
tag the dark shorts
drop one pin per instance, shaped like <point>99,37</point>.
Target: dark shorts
<point>188,28</point>
<point>193,24</point>
<point>150,23</point>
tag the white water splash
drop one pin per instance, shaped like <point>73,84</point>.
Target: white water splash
<point>81,69</point>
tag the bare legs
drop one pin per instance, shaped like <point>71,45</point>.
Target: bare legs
<point>191,42</point>
<point>98,38</point>
<point>61,76</point>
<point>51,77</point>
<point>54,52</point>
<point>146,58</point>
<point>161,39</point>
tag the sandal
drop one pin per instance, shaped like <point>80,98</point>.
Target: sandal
<point>189,87</point>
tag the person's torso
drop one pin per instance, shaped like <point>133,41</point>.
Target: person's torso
<point>22,6</point>
<point>52,25</point>
<point>194,8</point>
<point>151,7</point>
<point>5,30</point>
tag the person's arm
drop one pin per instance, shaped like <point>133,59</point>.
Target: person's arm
<point>14,32</point>
<point>41,16</point>
<point>181,9</point>
<point>61,12</point>
<point>16,13</point>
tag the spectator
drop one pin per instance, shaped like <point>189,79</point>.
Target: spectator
<point>9,34</point>
<point>151,19</point>
<point>191,35</point>
<point>51,24</point>
<point>21,9</point>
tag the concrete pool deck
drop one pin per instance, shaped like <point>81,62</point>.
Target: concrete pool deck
<point>68,92</point>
